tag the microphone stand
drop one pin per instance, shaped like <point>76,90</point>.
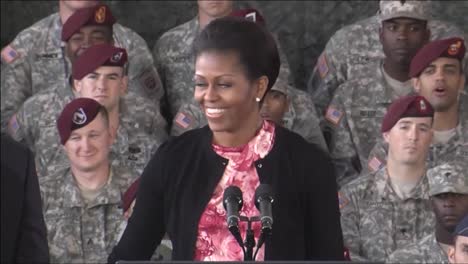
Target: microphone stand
<point>249,242</point>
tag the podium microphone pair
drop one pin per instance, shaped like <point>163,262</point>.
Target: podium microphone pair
<point>233,202</point>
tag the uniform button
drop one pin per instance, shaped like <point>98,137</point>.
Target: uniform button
<point>403,230</point>
<point>260,166</point>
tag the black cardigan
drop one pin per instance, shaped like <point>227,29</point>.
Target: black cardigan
<point>180,179</point>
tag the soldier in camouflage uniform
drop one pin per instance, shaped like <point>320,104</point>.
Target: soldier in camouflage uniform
<point>137,125</point>
<point>352,120</point>
<point>37,59</point>
<point>293,110</point>
<point>82,203</point>
<point>448,188</point>
<point>356,45</point>
<point>174,56</point>
<point>451,113</point>
<point>388,209</point>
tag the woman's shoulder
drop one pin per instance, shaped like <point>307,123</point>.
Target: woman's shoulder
<point>191,140</point>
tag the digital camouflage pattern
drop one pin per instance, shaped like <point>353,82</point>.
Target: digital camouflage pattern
<point>376,222</point>
<point>352,47</point>
<point>176,64</point>
<point>81,232</point>
<point>141,130</point>
<point>425,251</point>
<point>301,118</point>
<point>449,177</point>
<point>353,119</point>
<point>41,63</point>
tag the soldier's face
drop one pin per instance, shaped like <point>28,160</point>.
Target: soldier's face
<point>73,5</point>
<point>225,94</point>
<point>441,83</point>
<point>215,8</point>
<point>88,147</point>
<point>409,140</point>
<point>459,252</point>
<point>401,39</point>
<point>449,209</point>
<point>275,105</point>
<point>86,37</point>
<point>106,85</point>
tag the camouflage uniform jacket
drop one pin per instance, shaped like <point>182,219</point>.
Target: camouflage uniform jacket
<point>78,232</point>
<point>41,63</point>
<point>455,149</point>
<point>176,64</point>
<point>301,118</point>
<point>376,222</point>
<point>352,47</point>
<point>353,119</point>
<point>141,130</point>
<point>425,251</point>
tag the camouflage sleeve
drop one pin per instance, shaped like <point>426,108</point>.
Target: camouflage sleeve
<point>21,126</point>
<point>340,144</point>
<point>15,88</point>
<point>325,78</point>
<point>405,255</point>
<point>189,116</point>
<point>350,223</point>
<point>143,76</point>
<point>377,157</point>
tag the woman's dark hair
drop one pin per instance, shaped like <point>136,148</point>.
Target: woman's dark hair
<point>253,43</point>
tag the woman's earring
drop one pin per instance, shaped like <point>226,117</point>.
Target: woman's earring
<point>257,99</point>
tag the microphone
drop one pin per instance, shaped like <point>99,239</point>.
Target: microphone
<point>232,202</point>
<point>263,202</point>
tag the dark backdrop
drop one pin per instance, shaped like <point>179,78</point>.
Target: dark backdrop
<point>303,27</point>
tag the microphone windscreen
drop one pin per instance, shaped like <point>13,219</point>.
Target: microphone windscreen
<point>263,191</point>
<point>232,192</point>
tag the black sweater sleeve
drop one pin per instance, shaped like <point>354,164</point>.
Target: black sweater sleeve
<point>145,227</point>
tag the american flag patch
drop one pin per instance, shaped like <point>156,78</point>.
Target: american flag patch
<point>333,115</point>
<point>13,125</point>
<point>9,54</point>
<point>374,164</point>
<point>183,120</point>
<point>322,66</point>
<point>342,200</point>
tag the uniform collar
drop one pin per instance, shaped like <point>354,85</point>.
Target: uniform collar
<point>385,191</point>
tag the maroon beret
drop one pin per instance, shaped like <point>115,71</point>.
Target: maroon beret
<point>97,56</point>
<point>449,48</point>
<point>406,106</point>
<point>76,114</point>
<point>249,14</point>
<point>100,15</point>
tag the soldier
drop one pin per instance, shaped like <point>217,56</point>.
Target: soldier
<point>437,74</point>
<point>290,108</point>
<point>388,209</point>
<point>356,45</point>
<point>98,74</point>
<point>38,57</point>
<point>458,253</point>
<point>351,122</point>
<point>448,188</point>
<point>81,203</point>
<point>174,57</point>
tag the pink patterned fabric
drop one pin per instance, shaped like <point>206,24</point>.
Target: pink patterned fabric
<point>214,241</point>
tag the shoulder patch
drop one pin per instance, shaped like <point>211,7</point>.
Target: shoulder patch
<point>333,115</point>
<point>9,54</point>
<point>342,200</point>
<point>13,125</point>
<point>148,79</point>
<point>322,65</point>
<point>183,120</point>
<point>374,164</point>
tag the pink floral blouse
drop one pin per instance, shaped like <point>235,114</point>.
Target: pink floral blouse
<point>214,241</point>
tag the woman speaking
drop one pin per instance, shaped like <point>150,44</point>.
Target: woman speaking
<point>182,187</point>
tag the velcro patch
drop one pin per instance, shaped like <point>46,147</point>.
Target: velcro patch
<point>333,115</point>
<point>9,54</point>
<point>148,79</point>
<point>374,164</point>
<point>183,120</point>
<point>322,66</point>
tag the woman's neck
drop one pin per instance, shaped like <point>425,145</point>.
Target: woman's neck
<point>240,136</point>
